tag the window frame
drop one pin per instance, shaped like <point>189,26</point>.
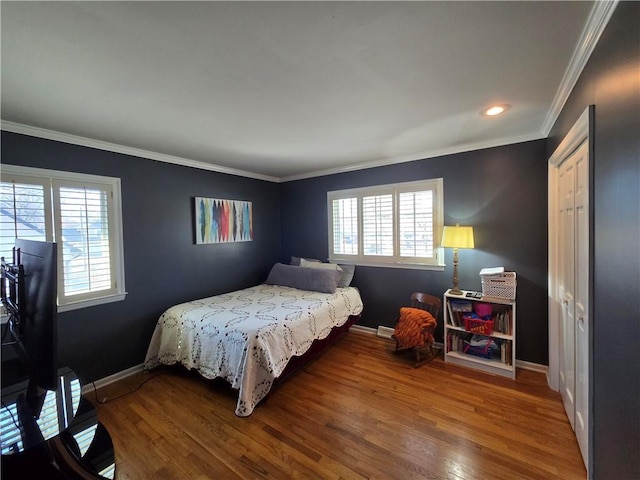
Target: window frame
<point>436,185</point>
<point>54,179</point>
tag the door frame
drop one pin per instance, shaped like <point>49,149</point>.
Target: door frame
<point>582,131</point>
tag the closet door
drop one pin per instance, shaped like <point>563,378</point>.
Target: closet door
<point>574,291</point>
<point>581,207</point>
<point>566,220</point>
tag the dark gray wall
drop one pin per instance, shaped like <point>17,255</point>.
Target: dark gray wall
<point>163,266</point>
<point>611,82</point>
<point>501,192</point>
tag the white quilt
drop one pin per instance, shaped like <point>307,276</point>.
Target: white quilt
<point>248,336</point>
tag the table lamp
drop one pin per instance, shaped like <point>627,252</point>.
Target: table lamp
<point>457,237</point>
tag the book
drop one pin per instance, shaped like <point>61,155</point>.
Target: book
<point>461,306</point>
<point>452,317</point>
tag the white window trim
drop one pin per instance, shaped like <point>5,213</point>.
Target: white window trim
<point>118,240</point>
<point>435,184</point>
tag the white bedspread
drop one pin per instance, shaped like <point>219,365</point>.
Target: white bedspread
<point>248,336</point>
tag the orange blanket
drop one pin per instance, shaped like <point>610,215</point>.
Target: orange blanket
<point>413,329</point>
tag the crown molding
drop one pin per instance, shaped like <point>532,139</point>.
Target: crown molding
<point>136,152</point>
<point>468,147</point>
<point>596,23</point>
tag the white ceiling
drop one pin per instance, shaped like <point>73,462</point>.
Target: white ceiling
<point>284,90</point>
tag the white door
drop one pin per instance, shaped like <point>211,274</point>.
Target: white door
<point>581,284</point>
<point>570,276</point>
<point>566,288</point>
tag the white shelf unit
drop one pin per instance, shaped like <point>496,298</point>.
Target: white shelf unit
<point>502,363</point>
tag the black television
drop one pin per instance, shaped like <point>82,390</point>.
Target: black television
<point>33,321</point>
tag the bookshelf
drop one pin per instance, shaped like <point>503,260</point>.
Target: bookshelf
<point>469,344</point>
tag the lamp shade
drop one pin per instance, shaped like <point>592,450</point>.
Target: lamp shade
<point>457,237</point>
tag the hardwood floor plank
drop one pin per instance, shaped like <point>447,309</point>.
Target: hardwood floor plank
<point>358,412</point>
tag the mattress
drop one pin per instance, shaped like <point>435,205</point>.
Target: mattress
<point>248,336</point>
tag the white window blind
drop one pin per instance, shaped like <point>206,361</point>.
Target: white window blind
<point>393,225</point>
<point>83,222</point>
<point>81,213</point>
<point>23,204</point>
<point>377,225</point>
<point>416,223</point>
<point>345,225</point>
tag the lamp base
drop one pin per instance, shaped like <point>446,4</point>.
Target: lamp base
<point>455,290</point>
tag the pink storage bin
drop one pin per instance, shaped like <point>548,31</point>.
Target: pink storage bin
<point>482,309</point>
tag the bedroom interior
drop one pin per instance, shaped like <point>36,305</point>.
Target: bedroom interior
<point>341,414</point>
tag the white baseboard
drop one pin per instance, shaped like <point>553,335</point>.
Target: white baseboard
<point>535,367</point>
<point>383,332</point>
<point>103,382</point>
<point>363,329</point>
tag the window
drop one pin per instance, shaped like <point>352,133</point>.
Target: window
<point>395,225</point>
<point>82,214</point>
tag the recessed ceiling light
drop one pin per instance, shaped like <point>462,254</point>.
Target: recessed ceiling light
<point>494,110</point>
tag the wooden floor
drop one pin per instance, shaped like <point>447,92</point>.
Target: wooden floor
<point>357,412</point>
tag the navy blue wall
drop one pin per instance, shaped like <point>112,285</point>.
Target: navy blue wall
<point>163,266</point>
<point>501,192</point>
<point>611,82</point>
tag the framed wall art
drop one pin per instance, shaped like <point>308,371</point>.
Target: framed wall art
<point>223,221</point>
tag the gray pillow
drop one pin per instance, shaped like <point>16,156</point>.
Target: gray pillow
<point>347,275</point>
<point>303,278</point>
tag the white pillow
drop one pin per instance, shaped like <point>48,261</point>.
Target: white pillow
<point>326,266</point>
<point>296,260</point>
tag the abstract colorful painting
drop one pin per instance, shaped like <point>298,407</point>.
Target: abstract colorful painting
<point>223,221</point>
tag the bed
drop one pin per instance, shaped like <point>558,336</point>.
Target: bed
<point>250,336</point>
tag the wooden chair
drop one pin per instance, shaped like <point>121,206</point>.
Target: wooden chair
<point>431,304</point>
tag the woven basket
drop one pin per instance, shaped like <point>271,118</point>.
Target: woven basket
<point>502,285</point>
